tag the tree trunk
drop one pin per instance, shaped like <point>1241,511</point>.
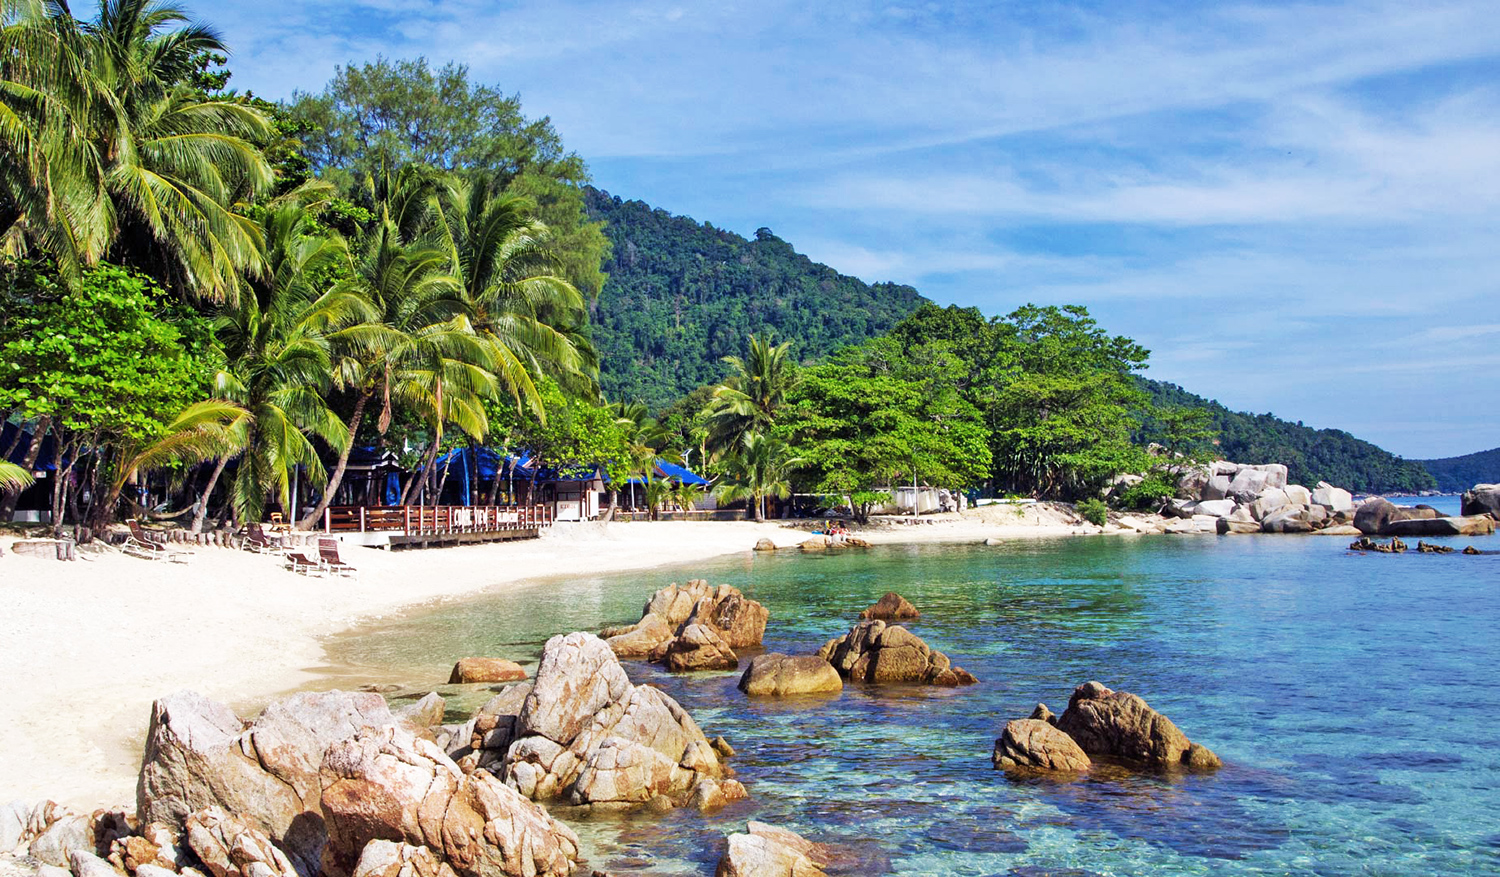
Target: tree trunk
<point>338,471</point>
<point>8,504</point>
<point>758,502</point>
<point>614,504</point>
<point>201,513</point>
<point>437,494</point>
<point>422,476</point>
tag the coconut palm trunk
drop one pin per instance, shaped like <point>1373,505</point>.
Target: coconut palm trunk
<point>201,514</point>
<point>337,477</point>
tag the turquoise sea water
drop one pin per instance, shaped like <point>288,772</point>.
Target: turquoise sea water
<point>1353,700</point>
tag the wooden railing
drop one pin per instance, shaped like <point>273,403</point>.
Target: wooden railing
<point>439,520</point>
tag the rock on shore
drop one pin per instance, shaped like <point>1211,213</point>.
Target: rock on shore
<point>1482,499</point>
<point>873,651</point>
<point>469,670</point>
<point>389,784</point>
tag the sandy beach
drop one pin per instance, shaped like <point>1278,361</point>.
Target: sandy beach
<point>88,645</point>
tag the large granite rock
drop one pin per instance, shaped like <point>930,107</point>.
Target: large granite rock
<point>700,647</point>
<point>587,735</point>
<point>469,670</point>
<point>228,847</point>
<point>1482,499</point>
<point>1216,487</point>
<point>1335,499</point>
<point>777,675</point>
<point>767,851</point>
<point>1267,501</point>
<point>1035,744</point>
<point>1293,519</point>
<point>1375,516</point>
<point>199,754</point>
<point>1120,725</point>
<point>1219,508</point>
<point>389,784</point>
<point>424,713</point>
<point>739,621</point>
<point>891,607</point>
<point>1472,525</point>
<point>873,651</point>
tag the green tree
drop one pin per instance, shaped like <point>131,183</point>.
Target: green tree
<point>752,397</point>
<point>387,114</point>
<point>760,466</point>
<point>876,417</point>
<point>103,362</point>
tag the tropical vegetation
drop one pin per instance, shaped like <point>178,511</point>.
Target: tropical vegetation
<point>209,303</point>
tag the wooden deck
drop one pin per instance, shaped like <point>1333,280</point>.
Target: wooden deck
<point>423,526</point>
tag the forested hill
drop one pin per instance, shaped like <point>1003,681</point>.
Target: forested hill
<point>1311,455</point>
<point>682,295</point>
<point>1457,474</point>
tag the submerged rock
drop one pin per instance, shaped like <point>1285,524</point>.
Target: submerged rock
<point>1121,725</point>
<point>585,734</point>
<point>891,607</point>
<point>777,675</point>
<point>388,784</point>
<point>767,851</point>
<point>469,670</point>
<point>873,651</point>
<point>1035,744</point>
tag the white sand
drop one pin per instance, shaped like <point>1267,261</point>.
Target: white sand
<point>86,646</point>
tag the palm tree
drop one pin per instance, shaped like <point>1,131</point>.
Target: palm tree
<point>644,438</point>
<point>13,477</point>
<point>532,315</point>
<point>749,400</point>
<point>207,430</point>
<point>760,466</point>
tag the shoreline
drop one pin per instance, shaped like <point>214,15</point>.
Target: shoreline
<point>90,644</point>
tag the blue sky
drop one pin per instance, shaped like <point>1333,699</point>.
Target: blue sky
<point>1296,207</point>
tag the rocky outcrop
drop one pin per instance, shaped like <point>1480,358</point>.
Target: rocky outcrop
<point>778,675</point>
<point>1334,499</point>
<point>1037,745</point>
<point>767,851</point>
<point>228,847</point>
<point>388,784</point>
<point>1121,725</point>
<point>199,754</point>
<point>586,735</point>
<point>1374,517</point>
<point>469,670</point>
<point>1472,525</point>
<point>737,620</point>
<point>873,651</point>
<point>1365,543</point>
<point>700,647</point>
<point>1482,499</point>
<point>891,607</point>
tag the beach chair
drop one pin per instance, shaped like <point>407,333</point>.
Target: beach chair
<point>299,562</point>
<point>143,544</point>
<point>257,541</point>
<point>328,553</point>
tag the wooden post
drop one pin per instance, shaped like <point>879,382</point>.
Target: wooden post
<point>363,525</point>
<point>328,520</point>
<point>406,520</point>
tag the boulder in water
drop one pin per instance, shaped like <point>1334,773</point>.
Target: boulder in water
<point>700,647</point>
<point>739,621</point>
<point>1035,744</point>
<point>1481,499</point>
<point>767,851</point>
<point>891,607</point>
<point>873,651</point>
<point>777,675</point>
<point>1121,725</point>
<point>470,670</point>
<point>1472,525</point>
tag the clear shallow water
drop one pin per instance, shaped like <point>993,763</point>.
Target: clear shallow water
<point>1353,699</point>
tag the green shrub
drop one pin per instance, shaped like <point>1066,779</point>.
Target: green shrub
<point>1148,495</point>
<point>1094,511</point>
